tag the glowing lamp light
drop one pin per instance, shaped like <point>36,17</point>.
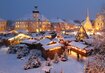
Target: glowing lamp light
<point>97,28</point>
<point>37,30</point>
<point>63,32</point>
<point>56,48</point>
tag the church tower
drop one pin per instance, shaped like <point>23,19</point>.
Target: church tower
<point>36,13</point>
<point>87,23</point>
<point>37,23</point>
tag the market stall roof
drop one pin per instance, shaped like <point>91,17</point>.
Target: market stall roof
<point>20,36</point>
<point>48,47</point>
<point>28,41</point>
<point>55,40</point>
<point>78,44</point>
<point>70,39</point>
<point>22,31</point>
<point>44,41</point>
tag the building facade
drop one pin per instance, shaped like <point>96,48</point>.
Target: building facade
<point>36,23</point>
<point>3,25</point>
<point>99,22</point>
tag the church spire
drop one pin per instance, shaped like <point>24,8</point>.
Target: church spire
<point>87,18</point>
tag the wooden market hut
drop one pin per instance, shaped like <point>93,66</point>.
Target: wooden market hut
<point>79,48</point>
<point>31,43</point>
<point>18,38</point>
<point>50,50</point>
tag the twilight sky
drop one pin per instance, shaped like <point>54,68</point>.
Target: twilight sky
<point>68,9</point>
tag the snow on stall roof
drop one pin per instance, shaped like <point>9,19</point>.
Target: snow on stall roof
<point>28,41</point>
<point>47,47</point>
<point>55,40</point>
<point>44,41</point>
<point>33,34</point>
<point>22,31</point>
<point>78,44</point>
<point>47,34</point>
<point>70,39</point>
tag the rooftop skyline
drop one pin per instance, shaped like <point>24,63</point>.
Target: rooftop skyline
<point>66,9</point>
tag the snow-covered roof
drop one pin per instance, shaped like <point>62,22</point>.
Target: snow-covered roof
<point>2,19</point>
<point>47,34</point>
<point>22,31</point>
<point>20,36</point>
<point>44,41</point>
<point>55,40</point>
<point>33,34</point>
<point>47,47</point>
<point>57,20</point>
<point>78,44</point>
<point>74,23</point>
<point>70,39</point>
<point>28,41</point>
<point>30,17</point>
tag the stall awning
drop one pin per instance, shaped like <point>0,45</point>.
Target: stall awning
<point>78,45</point>
<point>52,46</point>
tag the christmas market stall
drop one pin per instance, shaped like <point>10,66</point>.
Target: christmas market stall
<point>79,49</point>
<point>50,50</point>
<point>18,38</point>
<point>31,43</point>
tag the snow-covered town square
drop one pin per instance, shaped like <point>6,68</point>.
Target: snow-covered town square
<point>52,37</point>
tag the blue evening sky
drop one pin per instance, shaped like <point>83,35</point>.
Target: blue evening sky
<point>66,9</point>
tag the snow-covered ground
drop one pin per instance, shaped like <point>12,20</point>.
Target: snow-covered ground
<point>10,64</point>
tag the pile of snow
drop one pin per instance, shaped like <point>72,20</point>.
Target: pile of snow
<point>70,66</point>
<point>10,64</point>
<point>4,49</point>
